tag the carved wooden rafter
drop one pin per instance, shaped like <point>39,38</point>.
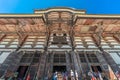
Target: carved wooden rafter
<point>117,37</point>
<point>2,36</point>
<point>21,36</point>
<point>98,36</point>
<point>22,40</point>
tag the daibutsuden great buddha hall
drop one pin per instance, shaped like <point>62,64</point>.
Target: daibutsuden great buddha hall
<point>59,40</point>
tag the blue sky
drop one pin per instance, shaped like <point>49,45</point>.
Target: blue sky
<point>91,6</point>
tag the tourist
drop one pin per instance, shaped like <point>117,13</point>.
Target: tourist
<point>100,76</point>
<point>72,75</point>
<point>91,74</point>
<point>118,74</point>
<point>66,75</point>
<point>55,76</point>
<point>76,75</point>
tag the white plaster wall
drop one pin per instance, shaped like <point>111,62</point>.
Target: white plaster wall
<point>3,56</point>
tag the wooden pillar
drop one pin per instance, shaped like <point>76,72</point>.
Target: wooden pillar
<point>106,66</point>
<point>51,64</point>
<point>75,66</point>
<point>104,57</point>
<point>42,70</point>
<point>68,63</point>
<point>79,64</point>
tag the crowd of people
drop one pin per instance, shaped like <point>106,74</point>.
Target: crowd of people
<point>73,75</point>
<point>95,75</point>
<point>62,75</point>
<point>65,76</point>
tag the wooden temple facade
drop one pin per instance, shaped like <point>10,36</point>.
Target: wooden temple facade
<point>59,39</point>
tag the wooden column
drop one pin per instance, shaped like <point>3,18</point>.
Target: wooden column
<point>42,70</point>
<point>107,63</point>
<point>68,63</point>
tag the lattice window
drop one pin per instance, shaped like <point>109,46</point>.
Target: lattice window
<point>59,58</point>
<point>27,57</point>
<point>92,58</point>
<point>82,57</point>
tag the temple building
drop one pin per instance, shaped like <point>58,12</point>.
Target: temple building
<point>59,40</point>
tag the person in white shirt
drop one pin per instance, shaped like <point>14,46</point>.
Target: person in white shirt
<point>76,75</point>
<point>72,75</point>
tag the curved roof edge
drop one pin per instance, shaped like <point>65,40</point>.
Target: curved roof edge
<point>73,10</point>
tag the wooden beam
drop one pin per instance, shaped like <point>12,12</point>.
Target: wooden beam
<point>22,40</point>
<point>117,37</point>
<point>2,37</point>
<point>95,39</point>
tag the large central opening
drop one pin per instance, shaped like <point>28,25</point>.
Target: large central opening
<point>59,68</point>
<point>22,71</point>
<point>96,68</point>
